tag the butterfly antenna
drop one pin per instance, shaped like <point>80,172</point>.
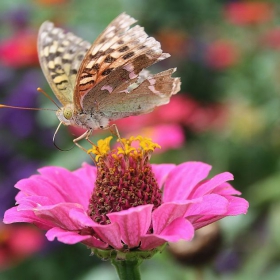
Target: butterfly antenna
<point>35,109</point>
<point>42,91</point>
<point>54,140</point>
<point>26,108</point>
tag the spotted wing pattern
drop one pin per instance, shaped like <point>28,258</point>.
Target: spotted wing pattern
<point>60,55</point>
<point>111,79</point>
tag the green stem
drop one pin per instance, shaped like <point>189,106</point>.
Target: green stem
<point>127,269</point>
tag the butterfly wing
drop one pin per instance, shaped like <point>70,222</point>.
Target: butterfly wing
<point>60,56</point>
<point>115,60</point>
<point>137,96</point>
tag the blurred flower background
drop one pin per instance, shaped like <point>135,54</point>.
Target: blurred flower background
<point>227,114</point>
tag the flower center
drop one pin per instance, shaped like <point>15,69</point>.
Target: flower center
<point>124,178</point>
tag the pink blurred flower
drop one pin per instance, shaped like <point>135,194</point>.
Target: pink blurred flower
<point>17,243</point>
<point>131,205</point>
<point>221,54</point>
<point>20,50</point>
<point>168,136</point>
<point>249,12</point>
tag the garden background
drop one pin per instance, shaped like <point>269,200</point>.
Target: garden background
<point>227,54</point>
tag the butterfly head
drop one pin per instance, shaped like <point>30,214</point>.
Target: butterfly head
<point>65,115</point>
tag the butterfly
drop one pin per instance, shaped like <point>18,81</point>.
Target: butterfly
<point>107,80</point>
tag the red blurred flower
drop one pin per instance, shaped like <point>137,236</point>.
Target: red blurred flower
<point>221,54</point>
<point>248,12</point>
<point>17,243</point>
<point>51,2</point>
<point>19,50</point>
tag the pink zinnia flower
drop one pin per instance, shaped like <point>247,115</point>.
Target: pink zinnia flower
<point>125,204</point>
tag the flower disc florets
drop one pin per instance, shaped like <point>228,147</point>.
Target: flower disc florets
<point>124,177</point>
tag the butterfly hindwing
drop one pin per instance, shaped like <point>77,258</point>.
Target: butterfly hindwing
<point>60,56</point>
<point>141,95</point>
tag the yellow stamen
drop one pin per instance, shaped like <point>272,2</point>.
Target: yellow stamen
<point>102,148</point>
<point>146,145</point>
<point>126,149</point>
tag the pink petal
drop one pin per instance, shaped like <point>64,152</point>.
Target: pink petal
<point>87,173</point>
<point>71,237</point>
<point>211,204</point>
<point>183,179</point>
<point>110,234</point>
<point>69,185</point>
<point>31,202</point>
<point>237,205</point>
<point>95,243</point>
<point>133,223</point>
<point>14,216</point>
<point>107,233</point>
<point>150,241</point>
<point>226,189</point>
<point>38,186</point>
<point>180,228</point>
<point>176,230</point>
<point>167,213</point>
<point>211,184</point>
<point>58,214</point>
<point>67,237</point>
<point>206,220</point>
<point>81,218</point>
<point>161,172</point>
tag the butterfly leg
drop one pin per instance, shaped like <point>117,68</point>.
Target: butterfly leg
<point>84,136</point>
<point>87,138</point>
<point>114,130</point>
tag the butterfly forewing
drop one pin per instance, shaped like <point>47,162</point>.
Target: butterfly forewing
<point>60,56</point>
<point>117,57</point>
<point>98,57</point>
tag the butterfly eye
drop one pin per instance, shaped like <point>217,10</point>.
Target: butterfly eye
<point>67,113</point>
